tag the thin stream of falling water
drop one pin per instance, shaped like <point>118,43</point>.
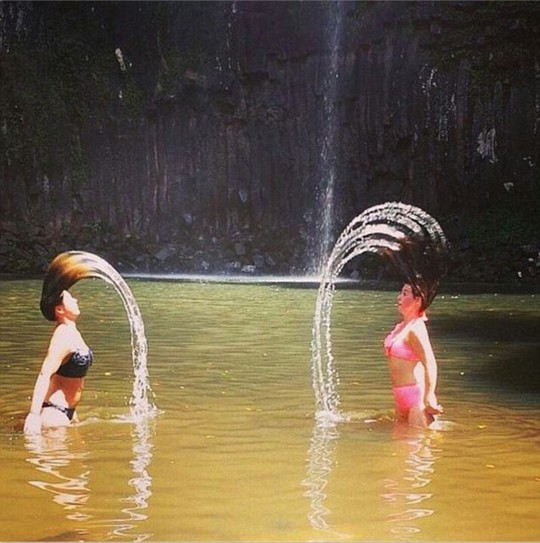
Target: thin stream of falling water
<point>328,157</point>
<point>141,405</point>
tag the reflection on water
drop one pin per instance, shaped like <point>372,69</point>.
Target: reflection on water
<point>237,454</point>
<point>405,495</point>
<point>62,455</point>
<point>67,473</point>
<point>141,483</point>
<point>320,460</point>
<point>407,491</point>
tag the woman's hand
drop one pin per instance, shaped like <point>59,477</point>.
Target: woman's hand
<point>32,424</point>
<point>433,407</point>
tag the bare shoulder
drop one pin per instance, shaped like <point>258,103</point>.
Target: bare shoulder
<point>418,327</point>
<point>60,333</point>
<point>63,337</point>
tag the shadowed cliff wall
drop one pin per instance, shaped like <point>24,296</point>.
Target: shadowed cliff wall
<point>187,135</point>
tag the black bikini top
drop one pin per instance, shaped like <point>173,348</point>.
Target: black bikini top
<point>76,364</point>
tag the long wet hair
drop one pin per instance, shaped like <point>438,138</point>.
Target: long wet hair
<point>63,272</point>
<point>421,263</point>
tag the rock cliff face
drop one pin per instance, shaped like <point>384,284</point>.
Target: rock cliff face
<point>214,135</point>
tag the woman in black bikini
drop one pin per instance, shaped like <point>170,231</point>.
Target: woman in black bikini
<point>60,382</point>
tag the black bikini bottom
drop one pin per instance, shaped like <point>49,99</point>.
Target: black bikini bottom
<point>68,411</point>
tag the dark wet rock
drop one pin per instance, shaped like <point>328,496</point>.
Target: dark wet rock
<point>204,152</point>
<point>239,249</point>
<point>259,261</point>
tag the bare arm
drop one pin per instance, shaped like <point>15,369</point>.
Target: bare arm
<point>420,341</point>
<point>56,353</point>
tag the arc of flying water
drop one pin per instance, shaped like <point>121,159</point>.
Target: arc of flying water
<point>378,229</point>
<point>71,266</point>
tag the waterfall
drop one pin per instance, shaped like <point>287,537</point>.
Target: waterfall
<point>325,210</point>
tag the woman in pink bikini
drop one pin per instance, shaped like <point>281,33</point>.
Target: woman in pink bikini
<point>412,364</point>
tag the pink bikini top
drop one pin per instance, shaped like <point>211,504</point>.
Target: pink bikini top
<point>398,347</point>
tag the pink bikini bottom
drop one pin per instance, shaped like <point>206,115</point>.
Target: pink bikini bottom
<point>407,396</point>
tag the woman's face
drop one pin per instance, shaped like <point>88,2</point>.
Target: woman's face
<point>407,302</point>
<point>70,305</point>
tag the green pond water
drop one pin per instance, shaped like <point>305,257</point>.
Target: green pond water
<point>234,453</point>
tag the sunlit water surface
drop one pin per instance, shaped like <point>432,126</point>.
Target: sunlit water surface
<point>235,455</point>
